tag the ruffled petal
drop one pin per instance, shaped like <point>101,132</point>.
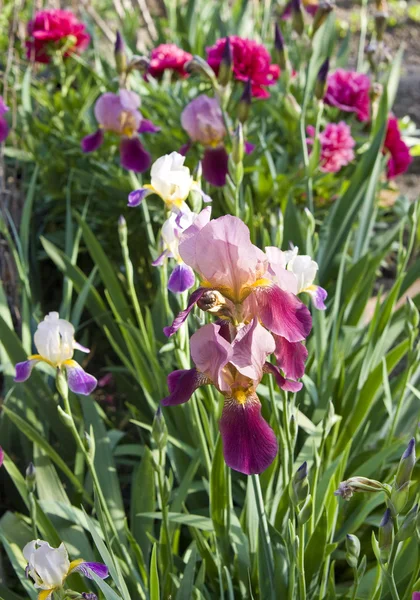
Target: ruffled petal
<point>79,381</point>
<point>87,568</point>
<point>91,142</point>
<point>251,347</point>
<point>183,315</point>
<point>290,357</point>
<point>158,262</point>
<point>283,313</point>
<point>182,384</point>
<point>133,156</point>
<point>147,126</point>
<point>136,197</point>
<point>215,166</point>
<point>285,384</point>
<point>181,279</point>
<point>211,353</point>
<point>24,369</point>
<point>249,443</point>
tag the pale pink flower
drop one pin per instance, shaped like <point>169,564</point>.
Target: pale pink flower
<point>336,146</point>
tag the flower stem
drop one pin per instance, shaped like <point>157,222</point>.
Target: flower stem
<point>32,510</point>
<point>301,561</point>
<point>264,531</point>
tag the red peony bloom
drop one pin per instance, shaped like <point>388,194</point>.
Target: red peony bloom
<point>400,158</point>
<point>53,29</point>
<point>250,61</point>
<point>168,56</point>
<point>349,91</point>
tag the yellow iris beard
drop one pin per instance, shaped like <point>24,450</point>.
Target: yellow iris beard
<point>240,396</point>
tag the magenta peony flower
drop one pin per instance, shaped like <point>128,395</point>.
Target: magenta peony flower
<point>4,126</point>
<point>349,91</point>
<point>119,113</point>
<point>168,56</point>
<point>336,146</point>
<point>250,61</point>
<point>233,360</point>
<point>400,158</point>
<point>53,29</point>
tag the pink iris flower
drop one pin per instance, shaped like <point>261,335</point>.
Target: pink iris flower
<point>336,146</point>
<point>251,61</point>
<point>4,126</point>
<point>168,57</point>
<point>118,113</point>
<point>349,91</point>
<point>399,153</point>
<point>233,360</point>
<point>202,119</point>
<point>239,283</point>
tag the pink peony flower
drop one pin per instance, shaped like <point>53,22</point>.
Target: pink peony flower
<point>250,61</point>
<point>168,56</point>
<point>53,29</point>
<point>336,146</point>
<point>400,158</point>
<point>119,113</point>
<point>233,360</point>
<point>349,91</point>
<point>4,126</point>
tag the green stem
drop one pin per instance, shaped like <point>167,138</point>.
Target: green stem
<point>165,520</point>
<point>301,561</point>
<point>32,510</point>
<point>265,533</point>
<point>356,584</point>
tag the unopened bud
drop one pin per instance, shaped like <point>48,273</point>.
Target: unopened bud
<point>352,550</point>
<point>406,466</point>
<point>159,430</point>
<point>375,91</point>
<point>412,313</point>
<point>323,10</point>
<point>386,535</point>
<point>225,68</point>
<point>298,23</point>
<point>292,106</point>
<point>139,63</point>
<point>347,488</point>
<point>122,230</point>
<point>321,80</point>
<point>305,512</point>
<point>408,526</point>
<point>381,20</point>
<point>293,428</point>
<point>280,50</point>
<point>89,596</point>
<point>120,55</point>
<point>238,145</point>
<point>200,66</point>
<point>299,485</point>
<point>244,105</point>
<point>30,477</point>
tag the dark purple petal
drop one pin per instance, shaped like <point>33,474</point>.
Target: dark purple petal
<point>133,156</point>
<point>249,147</point>
<point>91,142</point>
<point>183,315</point>
<point>24,370</point>
<point>249,443</point>
<point>4,129</point>
<point>1,456</point>
<point>136,197</point>
<point>79,381</point>
<point>185,149</point>
<point>182,384</point>
<point>283,313</point>
<point>147,126</point>
<point>285,384</point>
<point>86,569</point>
<point>215,166</point>
<point>181,279</point>
<point>158,262</point>
<point>291,357</point>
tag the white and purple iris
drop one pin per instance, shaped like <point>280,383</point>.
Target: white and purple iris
<point>49,567</point>
<point>55,343</point>
<point>118,113</point>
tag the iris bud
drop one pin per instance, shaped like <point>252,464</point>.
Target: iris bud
<point>120,55</point>
<point>297,17</point>
<point>244,105</point>
<point>347,488</point>
<point>30,477</point>
<point>324,9</point>
<point>408,526</point>
<point>406,466</point>
<point>280,50</point>
<point>306,511</point>
<point>238,145</point>
<point>386,535</point>
<point>321,80</point>
<point>299,485</point>
<point>139,63</point>
<point>225,69</point>
<point>159,430</point>
<point>200,66</point>
<point>292,106</point>
<point>352,550</point>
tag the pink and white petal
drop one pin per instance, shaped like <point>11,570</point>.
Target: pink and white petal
<point>181,279</point>
<point>129,100</point>
<point>147,126</point>
<point>87,568</point>
<point>283,313</point>
<point>79,381</point>
<point>318,295</point>
<point>133,156</point>
<point>92,142</point>
<point>249,443</point>
<point>251,347</point>
<point>211,353</point>
<point>136,197</point>
<point>290,357</point>
<point>24,369</point>
<point>187,243</point>
<point>81,348</point>
<point>182,384</point>
<point>183,315</point>
<point>215,166</point>
<point>285,384</point>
